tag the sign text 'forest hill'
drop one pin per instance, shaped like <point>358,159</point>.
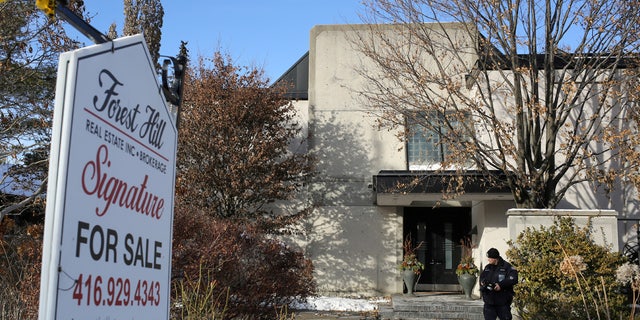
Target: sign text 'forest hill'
<point>107,103</point>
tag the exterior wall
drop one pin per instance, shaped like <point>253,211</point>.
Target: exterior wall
<point>354,243</point>
<point>300,144</point>
<point>585,195</point>
<point>354,249</point>
<point>490,218</point>
<point>344,138</point>
<point>604,222</point>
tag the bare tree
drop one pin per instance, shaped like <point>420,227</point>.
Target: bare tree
<point>29,46</point>
<point>533,91</point>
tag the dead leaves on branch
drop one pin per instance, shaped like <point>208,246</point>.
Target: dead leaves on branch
<point>234,156</point>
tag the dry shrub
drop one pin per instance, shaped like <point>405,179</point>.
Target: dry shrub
<point>260,273</point>
<point>20,260</point>
<point>197,299</point>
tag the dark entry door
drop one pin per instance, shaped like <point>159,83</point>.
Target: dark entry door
<point>440,230</point>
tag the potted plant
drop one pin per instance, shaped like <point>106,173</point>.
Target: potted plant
<point>467,270</point>
<point>410,266</point>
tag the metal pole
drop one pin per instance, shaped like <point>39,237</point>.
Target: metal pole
<point>89,31</point>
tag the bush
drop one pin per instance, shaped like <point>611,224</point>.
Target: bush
<point>564,274</point>
<point>20,260</point>
<point>197,299</point>
<point>261,274</point>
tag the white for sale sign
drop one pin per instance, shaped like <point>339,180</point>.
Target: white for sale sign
<point>108,226</point>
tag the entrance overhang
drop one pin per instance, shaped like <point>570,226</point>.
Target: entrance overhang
<point>426,188</point>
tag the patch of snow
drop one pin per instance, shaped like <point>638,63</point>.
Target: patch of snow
<point>339,304</point>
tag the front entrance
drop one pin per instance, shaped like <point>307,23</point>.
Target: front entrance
<point>440,231</point>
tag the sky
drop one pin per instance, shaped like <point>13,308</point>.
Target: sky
<point>270,34</point>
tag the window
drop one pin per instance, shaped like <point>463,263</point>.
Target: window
<point>425,147</point>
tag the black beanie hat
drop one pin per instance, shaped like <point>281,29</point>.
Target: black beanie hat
<point>493,253</point>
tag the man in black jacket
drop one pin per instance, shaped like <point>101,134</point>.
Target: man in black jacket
<point>496,285</point>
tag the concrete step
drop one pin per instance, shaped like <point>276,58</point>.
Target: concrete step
<point>433,306</point>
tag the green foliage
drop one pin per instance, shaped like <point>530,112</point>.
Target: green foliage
<point>588,290</point>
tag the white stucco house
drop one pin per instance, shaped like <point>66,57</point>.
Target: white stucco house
<point>355,235</point>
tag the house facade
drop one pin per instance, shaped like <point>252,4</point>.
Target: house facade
<point>355,235</point>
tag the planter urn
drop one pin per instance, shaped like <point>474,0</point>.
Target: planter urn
<point>467,281</point>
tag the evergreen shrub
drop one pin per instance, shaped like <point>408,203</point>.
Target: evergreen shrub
<point>564,274</point>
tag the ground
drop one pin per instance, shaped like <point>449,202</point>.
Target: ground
<point>330,308</point>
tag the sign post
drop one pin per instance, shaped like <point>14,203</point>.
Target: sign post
<point>108,227</point>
